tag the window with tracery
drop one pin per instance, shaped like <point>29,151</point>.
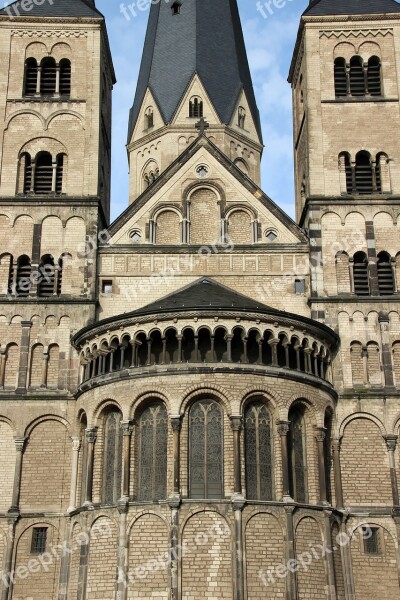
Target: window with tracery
<point>152,442</point>
<point>258,452</point>
<point>112,471</point>
<point>206,450</point>
<point>196,108</point>
<point>297,455</point>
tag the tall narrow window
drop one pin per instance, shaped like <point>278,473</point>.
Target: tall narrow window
<point>59,173</point>
<point>112,472</point>
<point>374,76</point>
<point>149,118</point>
<point>65,77</point>
<point>364,181</point>
<point>24,270</point>
<point>297,455</point>
<point>152,441</point>
<point>361,274</point>
<point>43,173</point>
<point>46,279</point>
<point>345,170</point>
<point>241,117</point>
<point>26,166</point>
<point>31,74</point>
<point>385,275</point>
<point>258,452</point>
<point>206,450</point>
<point>48,77</point>
<point>196,108</point>
<point>357,82</point>
<point>39,540</point>
<point>340,78</point>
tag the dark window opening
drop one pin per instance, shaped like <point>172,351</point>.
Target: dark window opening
<point>297,455</point>
<point>65,77</point>
<point>27,166</point>
<point>361,274</point>
<point>300,286</point>
<point>357,80</point>
<point>176,8</point>
<point>24,271</point>
<point>241,117</point>
<point>31,74</point>
<point>372,541</point>
<point>258,449</point>
<point>364,179</point>
<point>43,173</point>
<point>39,540</point>
<point>386,282</point>
<point>46,277</point>
<point>152,453</point>
<point>48,77</point>
<point>374,76</point>
<point>59,173</point>
<point>340,78</point>
<point>112,474</point>
<point>348,172</point>
<point>196,108</point>
<point>149,118</point>
<point>106,287</point>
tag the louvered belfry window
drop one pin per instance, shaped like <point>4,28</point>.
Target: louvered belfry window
<point>48,77</point>
<point>46,280</point>
<point>152,445</point>
<point>206,450</point>
<point>196,108</point>
<point>24,271</point>
<point>65,77</point>
<point>386,282</point>
<point>297,455</point>
<point>361,274</point>
<point>26,164</point>
<point>43,173</point>
<point>357,80</point>
<point>340,78</point>
<point>374,76</point>
<point>59,173</point>
<point>258,452</point>
<point>364,179</point>
<point>112,471</point>
<point>31,74</point>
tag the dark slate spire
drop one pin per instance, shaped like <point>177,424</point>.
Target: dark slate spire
<point>205,38</point>
<point>56,8</point>
<point>319,8</point>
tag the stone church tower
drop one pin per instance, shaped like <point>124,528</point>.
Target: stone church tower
<point>201,399</point>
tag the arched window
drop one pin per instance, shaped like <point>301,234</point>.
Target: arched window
<point>43,173</point>
<point>297,455</point>
<point>25,163</point>
<point>205,450</point>
<point>382,170</point>
<point>149,118</point>
<point>328,424</point>
<point>59,173</point>
<point>31,74</point>
<point>361,274</point>
<point>346,175</point>
<point>48,76</point>
<point>364,180</point>
<point>357,82</point>
<point>340,78</point>
<point>258,452</point>
<point>83,459</point>
<point>65,77</point>
<point>152,441</point>
<point>150,174</point>
<point>6,273</point>
<point>241,117</point>
<point>374,76</point>
<point>23,283</point>
<point>112,469</point>
<point>196,108</point>
<point>63,262</point>
<point>46,279</point>
<point>386,281</point>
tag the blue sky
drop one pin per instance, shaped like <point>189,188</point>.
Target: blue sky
<point>269,44</point>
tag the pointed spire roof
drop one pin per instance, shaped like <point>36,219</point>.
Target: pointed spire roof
<point>56,8</point>
<point>319,8</point>
<point>205,38</point>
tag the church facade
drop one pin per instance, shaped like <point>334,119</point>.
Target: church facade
<point>202,398</point>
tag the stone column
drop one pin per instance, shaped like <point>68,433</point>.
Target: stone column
<point>76,446</point>
<point>291,590</point>
<point>149,343</point>
<point>238,587</point>
<point>91,436</point>
<point>65,563</point>
<point>164,351</point>
<point>336,443</point>
<point>236,424</point>
<point>122,581</point>
<point>391,443</point>
<point>179,338</point>
<point>6,593</point>
<point>229,339</point>
<point>45,369</point>
<point>283,430</point>
<point>329,555</point>
<point>388,379</point>
<point>54,176</point>
<point>24,354</point>
<point>127,430</point>
<point>38,80</point>
<point>176,424</point>
<point>175,556</point>
<point>57,90</point>
<point>3,358</point>
<point>320,436</point>
<point>19,447</point>
<point>274,348</point>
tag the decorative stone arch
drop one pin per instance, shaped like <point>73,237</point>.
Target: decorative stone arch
<point>45,143</point>
<point>256,512</point>
<point>144,513</point>
<point>9,422</point>
<point>214,393</point>
<point>56,114</point>
<point>241,164</point>
<point>17,113</point>
<point>344,50</point>
<point>150,172</point>
<point>101,409</point>
<point>37,50</point>
<point>147,398</point>
<point>216,510</point>
<point>368,49</point>
<point>48,417</point>
<point>368,416</point>
<point>355,526</point>
<point>262,393</point>
<point>97,517</point>
<point>308,404</point>
<point>165,207</point>
<point>299,518</point>
<point>60,50</point>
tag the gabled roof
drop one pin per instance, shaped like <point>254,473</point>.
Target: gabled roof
<point>204,142</point>
<point>206,39</point>
<point>351,7</point>
<point>56,8</point>
<point>204,293</point>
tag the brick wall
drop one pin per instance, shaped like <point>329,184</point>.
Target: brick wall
<point>311,580</point>
<point>7,465</point>
<point>239,228</point>
<point>204,217</point>
<point>168,228</point>
<point>102,568</point>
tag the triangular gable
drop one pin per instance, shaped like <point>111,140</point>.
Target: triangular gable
<point>57,8</point>
<point>250,129</point>
<point>148,102</point>
<point>195,88</point>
